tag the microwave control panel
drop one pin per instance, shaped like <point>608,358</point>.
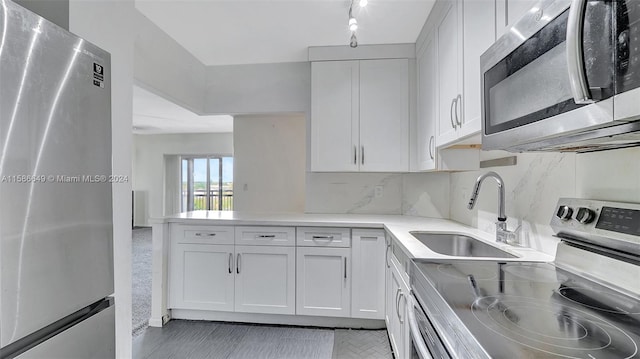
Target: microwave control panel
<point>627,45</point>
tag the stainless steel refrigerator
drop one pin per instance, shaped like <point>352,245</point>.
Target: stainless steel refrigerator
<point>56,236</point>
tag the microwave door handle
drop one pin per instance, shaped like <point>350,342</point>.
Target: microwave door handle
<point>575,63</point>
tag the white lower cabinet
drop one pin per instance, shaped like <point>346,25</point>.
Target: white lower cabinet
<point>265,279</point>
<point>368,255</point>
<point>323,284</point>
<point>202,277</point>
<point>227,277</point>
<point>396,309</point>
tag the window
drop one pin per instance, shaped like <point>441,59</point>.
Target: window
<point>206,183</point>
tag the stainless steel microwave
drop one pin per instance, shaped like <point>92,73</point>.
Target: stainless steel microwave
<point>565,77</point>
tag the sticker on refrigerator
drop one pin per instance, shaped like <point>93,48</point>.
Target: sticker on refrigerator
<point>98,75</point>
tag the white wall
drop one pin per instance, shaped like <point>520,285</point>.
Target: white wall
<point>269,163</point>
<point>152,154</point>
<point>257,89</point>
<point>164,67</point>
<point>109,24</point>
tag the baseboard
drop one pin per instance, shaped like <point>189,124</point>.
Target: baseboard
<point>302,320</point>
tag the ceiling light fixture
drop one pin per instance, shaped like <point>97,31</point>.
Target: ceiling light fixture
<point>353,23</point>
<point>354,41</point>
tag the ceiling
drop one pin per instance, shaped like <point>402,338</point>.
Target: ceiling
<point>153,114</point>
<point>231,32</point>
<point>227,32</point>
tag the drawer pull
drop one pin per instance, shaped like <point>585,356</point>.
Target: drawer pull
<point>205,234</point>
<point>322,237</point>
<point>266,236</point>
<point>345,267</point>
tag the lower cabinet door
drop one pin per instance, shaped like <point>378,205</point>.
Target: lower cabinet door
<point>323,281</point>
<point>368,268</point>
<point>202,277</point>
<point>265,279</point>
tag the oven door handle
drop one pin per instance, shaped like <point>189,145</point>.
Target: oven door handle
<point>418,341</point>
<point>575,63</point>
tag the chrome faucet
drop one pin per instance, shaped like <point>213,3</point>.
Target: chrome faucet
<point>502,234</point>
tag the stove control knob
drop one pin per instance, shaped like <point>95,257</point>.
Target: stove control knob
<point>564,213</point>
<point>585,215</point>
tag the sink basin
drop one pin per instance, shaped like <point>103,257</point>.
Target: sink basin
<point>451,244</point>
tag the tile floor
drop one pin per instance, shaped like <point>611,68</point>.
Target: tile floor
<point>216,340</point>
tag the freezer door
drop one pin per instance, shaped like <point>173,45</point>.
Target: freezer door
<point>93,338</point>
<point>56,253</point>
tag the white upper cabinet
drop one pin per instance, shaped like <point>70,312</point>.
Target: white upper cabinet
<point>360,116</point>
<point>427,105</point>
<point>449,73</point>
<point>465,29</point>
<point>335,134</point>
<point>478,34</point>
<point>384,115</point>
<point>508,12</point>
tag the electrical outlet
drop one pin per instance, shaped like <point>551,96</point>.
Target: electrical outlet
<point>378,191</point>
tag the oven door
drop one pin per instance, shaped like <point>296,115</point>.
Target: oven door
<point>551,74</point>
<point>424,342</point>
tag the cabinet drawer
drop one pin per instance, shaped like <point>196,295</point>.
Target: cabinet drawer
<point>323,237</point>
<point>266,236</point>
<point>202,234</point>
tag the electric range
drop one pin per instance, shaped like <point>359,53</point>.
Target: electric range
<point>586,304</point>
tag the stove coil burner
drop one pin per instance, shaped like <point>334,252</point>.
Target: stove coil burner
<point>557,330</point>
<point>595,299</point>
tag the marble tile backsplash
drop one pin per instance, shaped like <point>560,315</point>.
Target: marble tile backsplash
<point>364,193</point>
<point>533,187</point>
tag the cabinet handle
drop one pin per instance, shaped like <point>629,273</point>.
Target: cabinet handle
<point>453,103</point>
<point>266,236</point>
<point>398,302</point>
<point>238,264</point>
<point>322,237</point>
<point>355,155</point>
<point>459,103</point>
<point>431,147</point>
<point>386,255</point>
<point>345,267</point>
<point>362,156</point>
<point>205,234</point>
<point>230,262</point>
<point>402,296</point>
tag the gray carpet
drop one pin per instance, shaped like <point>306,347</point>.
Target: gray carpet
<point>141,279</point>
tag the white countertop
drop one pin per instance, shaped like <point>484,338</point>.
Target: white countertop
<point>398,226</point>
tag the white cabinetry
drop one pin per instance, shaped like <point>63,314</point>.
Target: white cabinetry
<point>368,255</point>
<point>465,30</point>
<point>215,274</point>
<point>508,12</point>
<point>265,279</point>
<point>202,277</point>
<point>397,294</point>
<point>323,285</point>
<point>360,116</point>
<point>427,105</point>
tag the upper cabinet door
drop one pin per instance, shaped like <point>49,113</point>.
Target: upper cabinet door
<point>508,12</point>
<point>449,74</point>
<point>479,33</point>
<point>427,105</point>
<point>334,116</point>
<point>384,115</point>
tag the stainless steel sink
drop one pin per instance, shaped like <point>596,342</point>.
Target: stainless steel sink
<point>452,244</point>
